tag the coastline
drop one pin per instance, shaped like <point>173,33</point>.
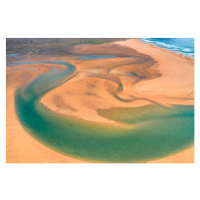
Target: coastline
<point>142,89</point>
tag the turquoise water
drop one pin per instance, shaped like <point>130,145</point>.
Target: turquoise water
<point>184,46</point>
<point>157,132</point>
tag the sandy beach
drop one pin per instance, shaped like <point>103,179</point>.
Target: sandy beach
<point>20,146</point>
<point>141,74</point>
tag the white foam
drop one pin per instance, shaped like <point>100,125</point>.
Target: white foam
<point>177,49</point>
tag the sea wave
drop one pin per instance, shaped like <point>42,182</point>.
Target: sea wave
<point>180,47</point>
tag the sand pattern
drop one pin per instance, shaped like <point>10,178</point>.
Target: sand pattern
<point>102,96</point>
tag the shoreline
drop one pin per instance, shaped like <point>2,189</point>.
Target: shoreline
<point>51,104</point>
<point>179,49</point>
<point>21,147</point>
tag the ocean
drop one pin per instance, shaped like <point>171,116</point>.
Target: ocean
<point>183,46</point>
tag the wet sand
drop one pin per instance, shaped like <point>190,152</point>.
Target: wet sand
<point>20,146</point>
<point>155,76</point>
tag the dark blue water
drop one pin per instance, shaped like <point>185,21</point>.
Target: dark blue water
<point>183,46</point>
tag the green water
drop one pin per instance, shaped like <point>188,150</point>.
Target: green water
<point>158,132</point>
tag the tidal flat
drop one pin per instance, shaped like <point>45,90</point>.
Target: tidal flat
<point>108,101</point>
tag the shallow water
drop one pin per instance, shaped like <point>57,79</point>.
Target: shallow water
<point>158,132</point>
<point>12,55</point>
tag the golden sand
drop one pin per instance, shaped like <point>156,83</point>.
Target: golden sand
<point>186,156</point>
<point>20,146</point>
<point>169,80</point>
